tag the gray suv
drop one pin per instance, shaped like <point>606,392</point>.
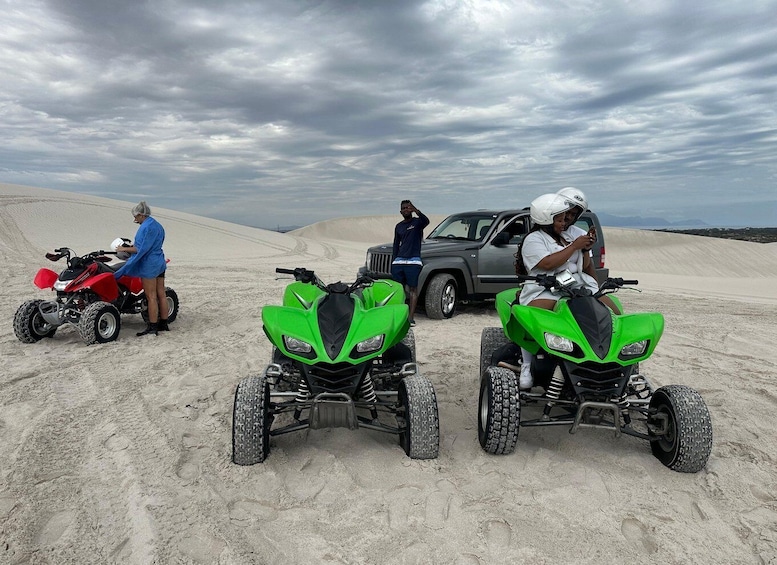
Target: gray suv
<point>471,256</point>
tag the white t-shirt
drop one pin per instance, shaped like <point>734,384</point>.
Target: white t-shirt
<point>538,245</point>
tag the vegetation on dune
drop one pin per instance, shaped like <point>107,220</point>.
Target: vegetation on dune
<point>757,235</point>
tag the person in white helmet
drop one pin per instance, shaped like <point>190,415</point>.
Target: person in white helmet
<point>572,231</point>
<point>546,250</point>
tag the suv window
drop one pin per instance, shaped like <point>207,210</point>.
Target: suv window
<point>517,228</point>
<point>472,227</point>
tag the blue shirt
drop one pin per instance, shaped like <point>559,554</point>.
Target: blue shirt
<point>149,261</point>
<point>408,236</point>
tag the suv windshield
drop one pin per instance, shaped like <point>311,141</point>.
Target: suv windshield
<point>471,227</point>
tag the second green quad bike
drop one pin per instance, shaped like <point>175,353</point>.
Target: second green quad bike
<point>586,361</point>
<point>343,357</point>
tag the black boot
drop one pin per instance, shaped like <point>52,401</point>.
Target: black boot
<point>162,326</point>
<point>151,328</point>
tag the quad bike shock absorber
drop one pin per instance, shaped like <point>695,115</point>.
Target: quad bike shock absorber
<point>623,404</point>
<point>554,391</point>
<point>367,394</point>
<point>303,394</point>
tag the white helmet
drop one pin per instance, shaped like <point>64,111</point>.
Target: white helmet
<point>545,207</point>
<point>120,242</point>
<point>575,195</point>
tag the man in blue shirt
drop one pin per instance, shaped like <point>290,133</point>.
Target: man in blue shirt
<point>407,264</point>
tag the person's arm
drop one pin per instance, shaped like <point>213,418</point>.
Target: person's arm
<point>395,248</point>
<point>421,216</point>
<point>555,260</point>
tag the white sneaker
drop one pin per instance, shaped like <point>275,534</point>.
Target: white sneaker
<point>526,380</point>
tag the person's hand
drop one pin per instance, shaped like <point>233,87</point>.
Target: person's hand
<point>584,242</point>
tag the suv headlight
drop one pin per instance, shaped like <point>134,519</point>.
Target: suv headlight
<point>634,349</point>
<point>369,259</point>
<point>372,344</point>
<point>297,345</point>
<point>558,343</point>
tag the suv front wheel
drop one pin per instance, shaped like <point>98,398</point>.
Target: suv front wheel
<point>440,298</point>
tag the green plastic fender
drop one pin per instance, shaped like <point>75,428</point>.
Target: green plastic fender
<point>298,318</point>
<point>526,326</point>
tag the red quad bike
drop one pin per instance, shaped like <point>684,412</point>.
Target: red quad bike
<point>88,296</point>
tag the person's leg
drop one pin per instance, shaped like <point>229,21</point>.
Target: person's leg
<point>412,293</point>
<point>610,304</point>
<point>164,310</point>
<point>526,379</point>
<point>412,272</point>
<point>149,288</point>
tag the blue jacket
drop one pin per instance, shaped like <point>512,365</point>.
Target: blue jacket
<point>149,261</point>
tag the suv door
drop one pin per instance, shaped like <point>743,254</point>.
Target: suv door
<point>496,259</point>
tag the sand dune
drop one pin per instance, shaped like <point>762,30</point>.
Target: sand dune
<point>120,453</point>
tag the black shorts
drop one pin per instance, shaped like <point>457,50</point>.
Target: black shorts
<point>406,274</point>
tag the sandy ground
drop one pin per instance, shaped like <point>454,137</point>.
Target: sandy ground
<point>120,453</point>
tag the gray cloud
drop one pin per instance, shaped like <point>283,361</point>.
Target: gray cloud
<point>256,111</point>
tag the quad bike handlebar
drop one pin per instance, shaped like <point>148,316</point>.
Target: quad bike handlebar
<point>75,259</point>
<point>563,283</point>
<point>304,275</point>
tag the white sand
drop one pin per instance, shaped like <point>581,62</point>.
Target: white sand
<point>120,453</point>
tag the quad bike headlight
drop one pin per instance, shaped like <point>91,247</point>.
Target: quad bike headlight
<point>558,343</point>
<point>634,349</point>
<point>297,345</point>
<point>369,345</point>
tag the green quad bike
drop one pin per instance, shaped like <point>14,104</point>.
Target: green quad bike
<point>586,361</point>
<point>343,356</point>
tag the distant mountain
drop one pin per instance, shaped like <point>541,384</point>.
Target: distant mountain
<point>640,222</point>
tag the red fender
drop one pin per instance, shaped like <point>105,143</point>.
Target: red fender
<point>45,278</point>
<point>134,284</point>
<point>104,285</point>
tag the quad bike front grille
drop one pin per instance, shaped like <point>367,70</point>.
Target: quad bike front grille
<point>593,378</point>
<point>334,378</point>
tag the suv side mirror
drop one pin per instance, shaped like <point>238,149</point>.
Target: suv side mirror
<point>502,238</point>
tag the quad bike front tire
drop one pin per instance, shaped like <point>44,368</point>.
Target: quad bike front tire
<point>172,305</point>
<point>687,443</point>
<point>251,420</point>
<point>491,339</point>
<point>418,418</point>
<point>100,323</point>
<point>499,411</point>
<point>440,297</point>
<point>29,324</point>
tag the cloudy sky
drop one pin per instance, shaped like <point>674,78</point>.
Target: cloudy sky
<point>280,112</point>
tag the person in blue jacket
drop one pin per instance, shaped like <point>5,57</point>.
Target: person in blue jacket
<point>147,261</point>
<point>407,264</point>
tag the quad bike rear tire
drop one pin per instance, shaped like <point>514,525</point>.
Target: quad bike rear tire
<point>251,420</point>
<point>100,323</point>
<point>687,444</point>
<point>490,340</point>
<point>499,411</point>
<point>418,418</point>
<point>440,297</point>
<point>29,324</point>
<point>172,305</point>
